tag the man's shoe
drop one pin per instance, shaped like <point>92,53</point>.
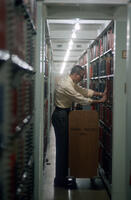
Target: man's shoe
<point>71,183</point>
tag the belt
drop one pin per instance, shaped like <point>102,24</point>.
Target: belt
<point>66,109</point>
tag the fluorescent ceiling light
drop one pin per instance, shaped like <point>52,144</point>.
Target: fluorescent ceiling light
<point>73,35</point>
<point>70,44</point>
<point>77,26</point>
<point>73,21</point>
<point>67,55</point>
<point>63,67</point>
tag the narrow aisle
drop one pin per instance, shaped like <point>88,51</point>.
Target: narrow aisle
<point>85,191</point>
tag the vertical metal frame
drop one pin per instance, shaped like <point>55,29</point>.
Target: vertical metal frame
<point>119,112</point>
<point>128,106</point>
<point>49,89</point>
<point>39,105</point>
<point>88,68</point>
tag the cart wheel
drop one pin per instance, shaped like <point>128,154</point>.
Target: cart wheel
<point>71,182</point>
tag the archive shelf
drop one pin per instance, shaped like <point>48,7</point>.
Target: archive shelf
<point>17,73</point>
<point>101,76</point>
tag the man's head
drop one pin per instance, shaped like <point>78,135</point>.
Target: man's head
<point>77,73</point>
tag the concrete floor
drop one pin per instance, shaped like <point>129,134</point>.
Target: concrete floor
<point>85,190</point>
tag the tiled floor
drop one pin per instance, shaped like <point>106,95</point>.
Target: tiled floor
<point>85,190</point>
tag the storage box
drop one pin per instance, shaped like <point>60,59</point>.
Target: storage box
<point>83,143</point>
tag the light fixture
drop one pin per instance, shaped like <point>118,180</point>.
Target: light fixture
<point>67,55</point>
<point>70,44</point>
<point>62,68</point>
<point>77,26</point>
<point>73,35</point>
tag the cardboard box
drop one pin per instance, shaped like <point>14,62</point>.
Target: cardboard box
<point>83,143</point>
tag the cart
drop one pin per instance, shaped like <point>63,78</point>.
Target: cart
<point>83,144</point>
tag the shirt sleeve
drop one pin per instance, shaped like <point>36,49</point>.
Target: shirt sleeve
<point>76,96</point>
<point>85,92</point>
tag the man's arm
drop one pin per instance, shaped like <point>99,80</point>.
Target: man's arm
<point>102,100</point>
<point>101,94</point>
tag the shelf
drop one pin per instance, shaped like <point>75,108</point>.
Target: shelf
<point>103,77</point>
<point>21,64</point>
<point>4,55</point>
<point>94,78</point>
<point>103,147</point>
<point>30,162</point>
<point>106,126</point>
<point>95,59</point>
<point>20,127</point>
<point>106,182</point>
<point>86,64</point>
<point>106,76</point>
<point>106,52</point>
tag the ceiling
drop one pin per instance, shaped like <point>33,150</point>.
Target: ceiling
<point>61,19</point>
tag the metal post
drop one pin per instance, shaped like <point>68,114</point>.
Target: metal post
<point>119,112</point>
<point>128,106</point>
<point>49,90</point>
<point>88,68</point>
<point>39,106</point>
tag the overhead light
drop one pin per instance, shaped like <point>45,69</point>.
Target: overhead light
<point>67,55</point>
<point>73,35</point>
<point>63,67</point>
<point>77,26</point>
<point>70,44</point>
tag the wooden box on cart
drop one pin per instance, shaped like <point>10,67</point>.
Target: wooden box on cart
<point>83,143</point>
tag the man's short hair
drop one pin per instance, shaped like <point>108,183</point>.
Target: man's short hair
<point>76,69</point>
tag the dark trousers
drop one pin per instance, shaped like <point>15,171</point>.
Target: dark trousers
<point>60,123</point>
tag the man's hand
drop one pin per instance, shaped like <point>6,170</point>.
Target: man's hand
<point>105,91</point>
<point>103,99</point>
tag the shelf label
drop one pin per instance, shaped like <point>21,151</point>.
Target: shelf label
<point>124,54</point>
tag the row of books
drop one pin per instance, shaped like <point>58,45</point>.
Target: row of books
<point>103,44</point>
<point>102,67</point>
<point>94,51</point>
<point>16,32</point>
<point>105,163</point>
<point>22,94</point>
<point>109,84</point>
<point>100,86</point>
<point>30,6</point>
<point>17,167</point>
<point>105,115</point>
<point>105,137</point>
<point>83,59</point>
<point>16,128</point>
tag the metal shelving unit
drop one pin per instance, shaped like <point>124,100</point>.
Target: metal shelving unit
<point>101,76</point>
<point>17,72</point>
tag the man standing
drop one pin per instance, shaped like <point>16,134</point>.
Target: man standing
<point>67,92</point>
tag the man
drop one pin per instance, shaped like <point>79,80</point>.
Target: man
<point>67,92</point>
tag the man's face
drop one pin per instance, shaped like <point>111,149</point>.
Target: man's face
<point>79,77</point>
